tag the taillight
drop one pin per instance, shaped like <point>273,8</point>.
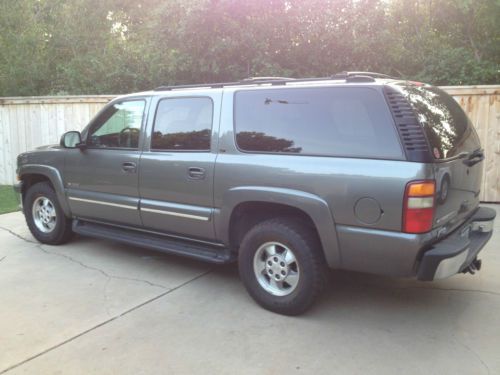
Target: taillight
<point>418,209</point>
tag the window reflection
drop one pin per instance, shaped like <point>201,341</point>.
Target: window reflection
<point>183,124</point>
<point>448,129</point>
<point>316,121</point>
<point>260,141</point>
<point>194,140</point>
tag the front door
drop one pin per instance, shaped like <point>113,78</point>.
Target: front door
<point>177,166</point>
<point>102,180</point>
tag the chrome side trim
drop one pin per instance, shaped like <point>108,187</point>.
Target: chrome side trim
<point>171,213</point>
<point>103,203</point>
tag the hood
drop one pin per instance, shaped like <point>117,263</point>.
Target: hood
<point>48,147</point>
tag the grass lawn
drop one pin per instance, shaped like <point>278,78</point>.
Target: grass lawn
<point>8,199</point>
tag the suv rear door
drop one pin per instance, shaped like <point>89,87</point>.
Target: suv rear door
<point>455,148</point>
<point>177,165</point>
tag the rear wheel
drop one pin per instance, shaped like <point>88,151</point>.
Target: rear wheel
<point>44,215</point>
<point>282,266</point>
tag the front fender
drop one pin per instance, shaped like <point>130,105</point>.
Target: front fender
<point>312,205</point>
<point>54,177</point>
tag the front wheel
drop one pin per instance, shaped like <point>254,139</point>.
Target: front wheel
<point>44,215</point>
<point>282,266</point>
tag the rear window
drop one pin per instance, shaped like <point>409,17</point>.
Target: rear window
<point>351,122</point>
<point>447,127</point>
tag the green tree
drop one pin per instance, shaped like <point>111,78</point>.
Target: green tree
<point>119,46</point>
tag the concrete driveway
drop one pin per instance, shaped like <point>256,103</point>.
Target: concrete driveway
<point>93,306</point>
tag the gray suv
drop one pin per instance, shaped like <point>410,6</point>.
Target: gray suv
<point>289,177</point>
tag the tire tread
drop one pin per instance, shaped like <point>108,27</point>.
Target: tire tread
<point>298,232</point>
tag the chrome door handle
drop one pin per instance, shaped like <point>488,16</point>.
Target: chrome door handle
<point>129,166</point>
<point>196,173</point>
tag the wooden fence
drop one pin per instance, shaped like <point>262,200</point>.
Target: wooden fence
<point>28,122</point>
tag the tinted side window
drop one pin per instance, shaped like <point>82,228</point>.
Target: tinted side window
<point>183,124</point>
<point>447,127</point>
<point>118,126</point>
<point>340,121</point>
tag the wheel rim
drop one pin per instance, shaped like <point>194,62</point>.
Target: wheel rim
<point>44,214</point>
<point>276,268</point>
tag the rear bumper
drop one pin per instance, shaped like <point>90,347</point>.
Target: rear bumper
<point>456,252</point>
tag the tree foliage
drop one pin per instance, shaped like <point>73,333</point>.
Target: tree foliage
<point>118,46</point>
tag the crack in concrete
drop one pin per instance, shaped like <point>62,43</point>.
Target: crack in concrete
<point>3,258</point>
<point>126,312</point>
<point>71,259</point>
<point>104,273</point>
<point>19,236</point>
<point>474,353</point>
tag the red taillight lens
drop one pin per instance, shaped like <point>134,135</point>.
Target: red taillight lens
<point>418,210</point>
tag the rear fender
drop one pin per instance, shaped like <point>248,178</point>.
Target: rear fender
<point>312,205</point>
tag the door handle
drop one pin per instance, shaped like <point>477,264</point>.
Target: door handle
<point>196,173</point>
<point>129,166</point>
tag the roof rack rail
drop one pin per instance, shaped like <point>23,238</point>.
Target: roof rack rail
<point>366,74</point>
<point>348,76</point>
<point>245,81</point>
<point>266,79</point>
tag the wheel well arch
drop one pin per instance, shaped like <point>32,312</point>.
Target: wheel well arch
<point>29,179</point>
<point>31,174</point>
<point>247,214</point>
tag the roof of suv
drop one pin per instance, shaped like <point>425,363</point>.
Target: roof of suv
<point>348,77</point>
<point>337,79</point>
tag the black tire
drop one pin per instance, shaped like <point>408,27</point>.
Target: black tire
<point>61,232</point>
<point>306,248</point>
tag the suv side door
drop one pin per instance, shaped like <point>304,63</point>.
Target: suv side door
<point>101,180</point>
<point>177,165</point>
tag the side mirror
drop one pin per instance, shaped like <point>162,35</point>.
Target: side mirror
<point>72,139</point>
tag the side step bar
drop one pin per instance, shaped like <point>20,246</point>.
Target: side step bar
<point>206,253</point>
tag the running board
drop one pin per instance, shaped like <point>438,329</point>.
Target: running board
<point>206,253</point>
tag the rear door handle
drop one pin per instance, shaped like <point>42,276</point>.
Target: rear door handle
<point>196,173</point>
<point>129,166</point>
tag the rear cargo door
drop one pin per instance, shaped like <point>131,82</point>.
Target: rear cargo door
<point>457,153</point>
